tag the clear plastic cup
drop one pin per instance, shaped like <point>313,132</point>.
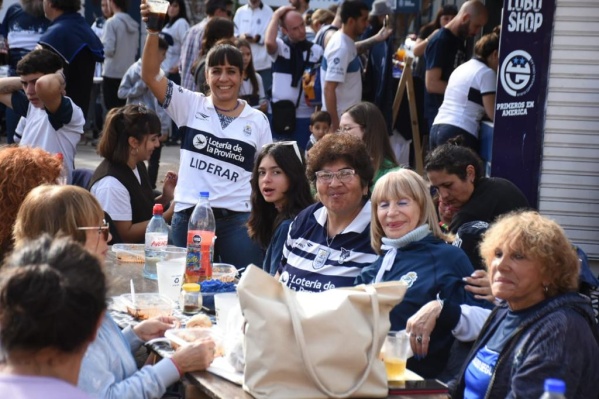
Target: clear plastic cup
<point>395,355</point>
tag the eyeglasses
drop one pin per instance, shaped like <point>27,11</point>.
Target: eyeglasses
<point>291,143</point>
<point>347,128</point>
<point>295,148</point>
<point>343,175</point>
<point>104,229</point>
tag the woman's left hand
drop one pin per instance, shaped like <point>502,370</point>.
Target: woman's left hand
<point>155,328</point>
<point>170,182</point>
<point>478,283</point>
<point>421,325</point>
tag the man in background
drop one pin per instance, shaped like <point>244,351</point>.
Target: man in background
<point>446,51</point>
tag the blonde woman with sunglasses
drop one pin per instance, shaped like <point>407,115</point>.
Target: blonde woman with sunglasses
<point>108,369</point>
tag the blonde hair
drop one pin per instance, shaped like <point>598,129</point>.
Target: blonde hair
<point>58,211</point>
<point>403,183</point>
<point>537,238</point>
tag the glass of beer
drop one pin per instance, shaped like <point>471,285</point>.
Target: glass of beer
<point>395,355</point>
<point>157,9</point>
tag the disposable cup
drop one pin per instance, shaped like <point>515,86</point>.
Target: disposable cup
<point>170,277</point>
<point>223,303</point>
<point>172,252</point>
<point>395,355</point>
<point>157,15</point>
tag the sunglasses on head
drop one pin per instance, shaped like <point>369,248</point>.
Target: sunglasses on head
<point>104,229</point>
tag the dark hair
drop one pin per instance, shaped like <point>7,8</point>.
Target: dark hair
<point>216,29</point>
<point>250,72</point>
<point>320,116</point>
<point>447,9</point>
<point>39,61</point>
<point>182,12</point>
<point>66,5</point>
<point>212,6</point>
<point>352,9</point>
<point>121,123</point>
<point>454,159</point>
<point>486,45</point>
<point>121,4</point>
<point>376,137</point>
<point>33,7</point>
<point>224,52</point>
<point>264,218</point>
<point>341,146</point>
<point>162,44</point>
<point>52,294</point>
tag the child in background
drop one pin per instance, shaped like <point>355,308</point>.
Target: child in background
<point>135,91</point>
<point>320,122</point>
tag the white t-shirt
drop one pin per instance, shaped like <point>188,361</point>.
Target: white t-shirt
<point>177,31</point>
<point>114,197</point>
<point>214,159</point>
<point>247,89</point>
<point>341,64</point>
<point>463,102</point>
<point>254,22</point>
<point>56,133</point>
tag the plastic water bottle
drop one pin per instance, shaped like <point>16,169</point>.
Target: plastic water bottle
<point>156,240</point>
<point>200,241</point>
<point>554,389</point>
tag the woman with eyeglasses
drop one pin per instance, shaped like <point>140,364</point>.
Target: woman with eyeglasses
<point>280,190</point>
<point>52,299</point>
<point>23,168</point>
<point>222,136</point>
<point>366,122</point>
<point>109,369</point>
<point>405,231</point>
<point>121,182</point>
<point>328,243</point>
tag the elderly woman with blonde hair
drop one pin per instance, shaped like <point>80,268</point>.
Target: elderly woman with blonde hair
<point>405,232</point>
<point>543,329</point>
<point>23,168</point>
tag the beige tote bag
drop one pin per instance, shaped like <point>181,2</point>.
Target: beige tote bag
<point>315,345</point>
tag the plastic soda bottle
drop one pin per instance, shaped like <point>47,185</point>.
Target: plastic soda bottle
<point>200,241</point>
<point>554,389</point>
<point>156,240</point>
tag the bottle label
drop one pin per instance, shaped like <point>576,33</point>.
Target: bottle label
<point>199,258</point>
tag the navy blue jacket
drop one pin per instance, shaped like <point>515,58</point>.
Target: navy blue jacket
<point>559,341</point>
<point>428,266</point>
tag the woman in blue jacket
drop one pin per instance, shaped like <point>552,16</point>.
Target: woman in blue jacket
<point>405,230</point>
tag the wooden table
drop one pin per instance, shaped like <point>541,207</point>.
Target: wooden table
<point>119,274</point>
<point>200,385</point>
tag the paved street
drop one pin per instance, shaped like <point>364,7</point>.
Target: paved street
<point>88,159</point>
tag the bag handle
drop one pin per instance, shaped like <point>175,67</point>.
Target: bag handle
<point>301,341</point>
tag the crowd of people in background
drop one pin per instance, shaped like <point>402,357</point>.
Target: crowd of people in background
<point>274,120</point>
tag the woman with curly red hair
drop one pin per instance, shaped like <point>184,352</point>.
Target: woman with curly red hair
<point>23,169</point>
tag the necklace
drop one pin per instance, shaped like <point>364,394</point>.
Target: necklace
<point>326,234</point>
<point>228,110</point>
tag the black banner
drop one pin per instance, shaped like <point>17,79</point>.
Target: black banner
<point>523,74</point>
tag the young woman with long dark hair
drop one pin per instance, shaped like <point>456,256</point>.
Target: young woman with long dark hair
<point>252,88</point>
<point>280,190</point>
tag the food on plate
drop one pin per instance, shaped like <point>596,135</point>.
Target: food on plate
<point>199,320</point>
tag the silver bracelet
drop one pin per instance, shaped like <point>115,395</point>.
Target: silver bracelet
<point>159,76</point>
<point>440,301</point>
<point>152,32</point>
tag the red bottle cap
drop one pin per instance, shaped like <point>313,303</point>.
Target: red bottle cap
<point>158,209</point>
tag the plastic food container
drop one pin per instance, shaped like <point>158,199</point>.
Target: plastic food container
<point>224,272</point>
<point>148,305</point>
<point>129,253</point>
<point>185,336</point>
